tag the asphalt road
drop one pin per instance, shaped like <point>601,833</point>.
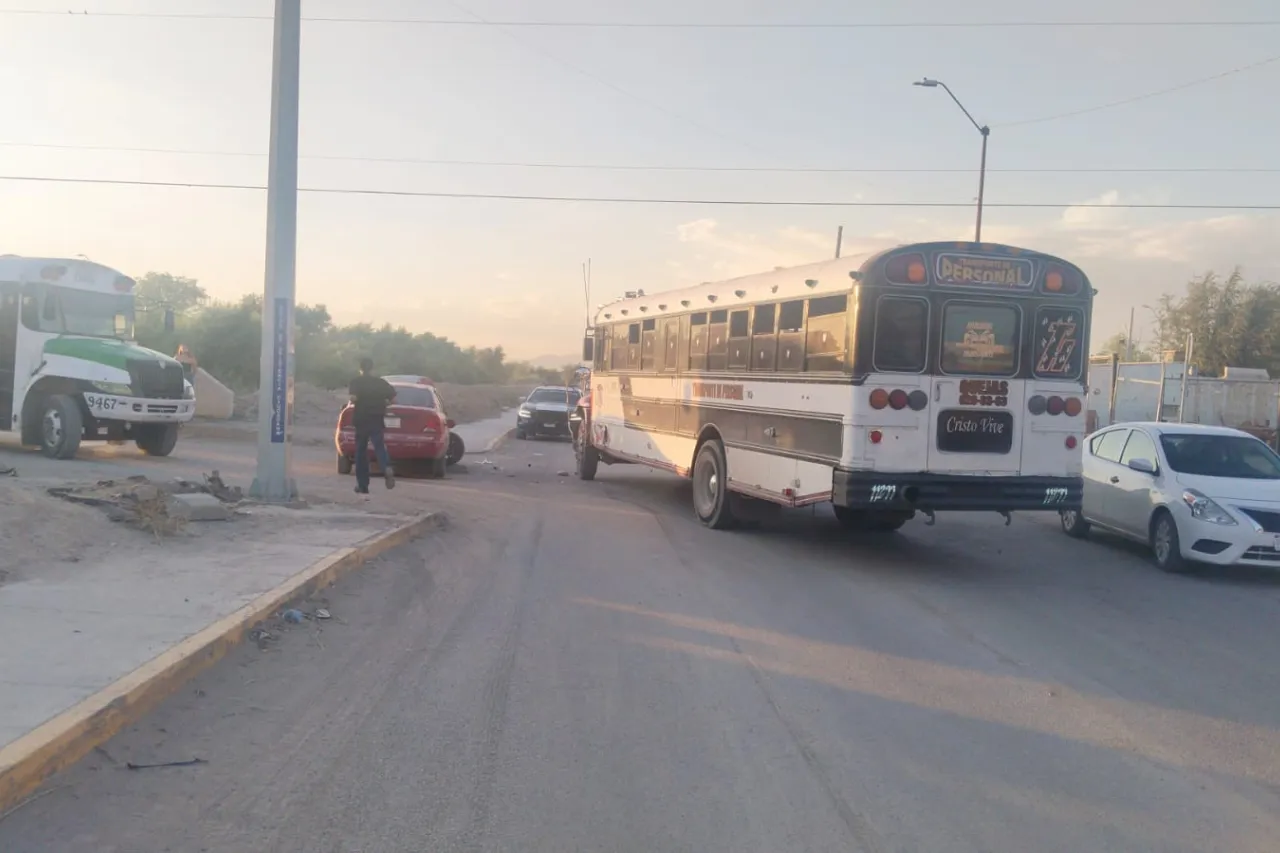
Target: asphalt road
<point>580,667</point>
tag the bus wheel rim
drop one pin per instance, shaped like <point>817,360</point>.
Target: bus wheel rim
<point>53,428</point>
<point>706,485</point>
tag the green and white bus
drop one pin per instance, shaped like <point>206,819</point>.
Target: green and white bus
<point>69,368</point>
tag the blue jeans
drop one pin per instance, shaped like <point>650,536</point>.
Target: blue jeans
<point>363,437</point>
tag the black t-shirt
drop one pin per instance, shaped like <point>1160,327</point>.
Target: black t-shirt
<point>372,394</point>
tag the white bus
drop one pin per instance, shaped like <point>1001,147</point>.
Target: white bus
<point>930,377</point>
<point>69,369</point>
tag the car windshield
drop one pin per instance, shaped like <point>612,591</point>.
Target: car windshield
<point>554,395</point>
<point>1232,456</point>
<point>418,396</point>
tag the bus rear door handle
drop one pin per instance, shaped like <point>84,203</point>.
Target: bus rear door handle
<point>937,393</point>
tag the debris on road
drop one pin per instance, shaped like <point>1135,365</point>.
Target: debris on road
<point>160,508</point>
<point>6,471</point>
<point>189,763</point>
<point>323,614</point>
<point>294,616</point>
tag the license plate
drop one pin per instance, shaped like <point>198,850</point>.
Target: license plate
<point>549,425</point>
<point>391,423</point>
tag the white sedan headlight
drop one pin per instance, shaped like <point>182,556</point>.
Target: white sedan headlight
<point>1205,509</point>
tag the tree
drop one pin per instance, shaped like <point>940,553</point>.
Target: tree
<point>1231,323</point>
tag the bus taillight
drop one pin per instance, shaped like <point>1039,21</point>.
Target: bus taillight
<point>875,435</point>
<point>1071,442</point>
<point>1055,405</point>
<point>897,399</point>
<point>906,269</point>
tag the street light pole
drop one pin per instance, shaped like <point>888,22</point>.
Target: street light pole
<point>929,83</point>
<point>274,480</point>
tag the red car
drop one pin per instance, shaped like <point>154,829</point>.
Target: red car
<point>416,429</point>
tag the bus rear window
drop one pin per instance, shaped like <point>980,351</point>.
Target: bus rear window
<point>979,339</point>
<point>902,334</point>
<point>1059,351</point>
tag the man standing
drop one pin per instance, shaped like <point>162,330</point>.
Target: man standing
<point>370,396</point>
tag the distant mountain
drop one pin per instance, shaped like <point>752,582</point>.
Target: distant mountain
<point>553,361</point>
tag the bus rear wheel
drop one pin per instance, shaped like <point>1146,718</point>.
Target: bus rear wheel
<point>157,439</point>
<point>711,499</point>
<point>61,427</point>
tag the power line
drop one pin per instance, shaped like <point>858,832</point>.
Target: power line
<point>664,25</point>
<point>608,84</point>
<point>1178,88</point>
<point>626,200</point>
<point>643,167</point>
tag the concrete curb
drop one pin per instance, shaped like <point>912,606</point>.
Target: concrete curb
<point>59,743</point>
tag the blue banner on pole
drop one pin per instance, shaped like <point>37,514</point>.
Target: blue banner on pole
<point>280,371</point>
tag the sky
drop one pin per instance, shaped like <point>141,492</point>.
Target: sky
<point>80,91</point>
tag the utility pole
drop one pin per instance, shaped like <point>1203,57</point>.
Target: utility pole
<point>929,83</point>
<point>839,240</point>
<point>274,480</point>
<point>1128,338</point>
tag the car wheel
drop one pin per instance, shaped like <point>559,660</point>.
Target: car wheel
<point>436,468</point>
<point>1165,545</point>
<point>457,449</point>
<point>344,464</point>
<point>61,427</point>
<point>521,435</point>
<point>1073,523</point>
<point>711,487</point>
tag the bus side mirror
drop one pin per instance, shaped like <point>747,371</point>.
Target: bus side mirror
<point>588,349</point>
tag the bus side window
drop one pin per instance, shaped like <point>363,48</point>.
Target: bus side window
<point>698,341</point>
<point>648,344</point>
<point>718,340</point>
<point>764,341</point>
<point>604,343</point>
<point>740,340</point>
<point>633,346</point>
<point>31,311</point>
<point>671,334</point>
<point>901,335</point>
<point>791,335</point>
<point>619,355</point>
<point>828,330</point>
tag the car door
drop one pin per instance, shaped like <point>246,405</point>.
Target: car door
<point>1101,466</point>
<point>1130,498</point>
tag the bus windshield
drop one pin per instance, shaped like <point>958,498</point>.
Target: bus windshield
<point>98,315</point>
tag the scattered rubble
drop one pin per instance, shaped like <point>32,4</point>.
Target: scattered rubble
<point>163,509</point>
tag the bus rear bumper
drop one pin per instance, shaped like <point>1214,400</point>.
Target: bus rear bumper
<point>895,491</point>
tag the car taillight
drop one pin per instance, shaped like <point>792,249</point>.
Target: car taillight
<point>432,424</point>
<point>1055,405</point>
<point>898,399</point>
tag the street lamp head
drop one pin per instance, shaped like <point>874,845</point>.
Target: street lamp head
<point>927,82</point>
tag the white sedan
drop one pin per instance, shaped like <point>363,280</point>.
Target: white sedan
<point>1192,493</point>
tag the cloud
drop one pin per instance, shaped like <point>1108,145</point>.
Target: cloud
<point>1131,257</point>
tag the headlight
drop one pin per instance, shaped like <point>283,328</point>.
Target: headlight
<point>1205,509</point>
<point>523,412</point>
<point>119,389</point>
